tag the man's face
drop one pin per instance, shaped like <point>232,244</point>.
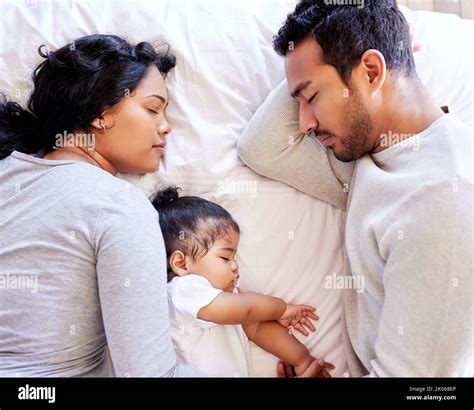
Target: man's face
<point>328,107</point>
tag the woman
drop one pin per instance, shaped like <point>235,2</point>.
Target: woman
<point>82,259</point>
<point>89,240</point>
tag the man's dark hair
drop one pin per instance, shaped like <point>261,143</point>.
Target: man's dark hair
<point>190,224</point>
<point>345,32</point>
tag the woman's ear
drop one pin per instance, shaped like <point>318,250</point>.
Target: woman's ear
<point>99,123</point>
<point>177,263</point>
<point>106,119</point>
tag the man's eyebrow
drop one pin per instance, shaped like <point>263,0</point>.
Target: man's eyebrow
<point>163,99</point>
<point>300,88</point>
<point>228,249</point>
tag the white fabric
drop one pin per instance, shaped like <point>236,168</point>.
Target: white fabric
<point>210,348</point>
<point>226,67</point>
<point>187,295</point>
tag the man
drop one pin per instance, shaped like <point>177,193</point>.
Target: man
<point>409,229</point>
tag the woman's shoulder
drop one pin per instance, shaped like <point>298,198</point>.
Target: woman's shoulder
<point>64,175</point>
<point>90,177</point>
<point>76,184</point>
<point>112,193</point>
<point>87,184</point>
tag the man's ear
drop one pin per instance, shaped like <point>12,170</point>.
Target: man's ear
<point>373,68</point>
<point>177,263</point>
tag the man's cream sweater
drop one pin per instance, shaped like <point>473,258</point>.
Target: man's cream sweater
<point>409,234</point>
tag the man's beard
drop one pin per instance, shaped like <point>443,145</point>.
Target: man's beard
<point>360,126</point>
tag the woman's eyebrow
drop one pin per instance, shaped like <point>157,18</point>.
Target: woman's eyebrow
<point>163,99</point>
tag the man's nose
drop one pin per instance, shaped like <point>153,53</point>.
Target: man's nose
<point>307,120</point>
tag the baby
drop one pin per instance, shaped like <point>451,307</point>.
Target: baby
<point>206,308</point>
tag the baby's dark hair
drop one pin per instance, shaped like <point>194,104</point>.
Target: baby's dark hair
<point>190,224</point>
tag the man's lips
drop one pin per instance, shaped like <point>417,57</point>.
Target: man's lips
<point>325,139</point>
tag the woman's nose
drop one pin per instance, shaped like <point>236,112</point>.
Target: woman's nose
<point>164,128</point>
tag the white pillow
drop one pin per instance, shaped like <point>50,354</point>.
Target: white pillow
<point>445,62</point>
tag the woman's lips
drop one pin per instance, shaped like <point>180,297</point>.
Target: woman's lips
<point>160,148</point>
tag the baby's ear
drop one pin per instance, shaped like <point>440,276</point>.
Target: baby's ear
<point>177,263</point>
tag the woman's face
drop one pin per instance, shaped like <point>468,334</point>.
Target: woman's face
<point>136,127</point>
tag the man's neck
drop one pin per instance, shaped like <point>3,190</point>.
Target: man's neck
<point>408,112</point>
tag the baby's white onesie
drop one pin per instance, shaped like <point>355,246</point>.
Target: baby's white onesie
<point>209,348</point>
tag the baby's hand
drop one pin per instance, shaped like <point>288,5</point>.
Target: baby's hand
<point>297,316</point>
<point>301,367</point>
<point>309,367</point>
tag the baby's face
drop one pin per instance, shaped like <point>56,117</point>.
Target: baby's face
<point>219,266</point>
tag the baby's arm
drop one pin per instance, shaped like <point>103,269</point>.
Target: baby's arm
<point>239,308</point>
<point>275,339</point>
<point>258,315</point>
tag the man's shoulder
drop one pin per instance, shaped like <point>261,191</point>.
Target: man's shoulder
<point>455,144</point>
<point>448,175</point>
<point>448,199</point>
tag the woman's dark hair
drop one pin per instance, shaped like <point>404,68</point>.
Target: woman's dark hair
<point>73,86</point>
<point>345,32</point>
<point>190,224</point>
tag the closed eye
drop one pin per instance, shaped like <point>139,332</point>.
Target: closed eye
<point>312,98</point>
<point>226,259</point>
<point>153,111</point>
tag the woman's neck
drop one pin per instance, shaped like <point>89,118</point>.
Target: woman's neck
<point>80,154</point>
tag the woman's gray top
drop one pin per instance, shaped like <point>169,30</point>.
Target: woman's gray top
<point>82,266</point>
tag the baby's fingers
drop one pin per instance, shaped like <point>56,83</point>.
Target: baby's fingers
<point>306,322</point>
<point>325,374</point>
<point>309,325</point>
<point>300,329</point>
<point>328,365</point>
<point>311,315</point>
<point>309,311</point>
